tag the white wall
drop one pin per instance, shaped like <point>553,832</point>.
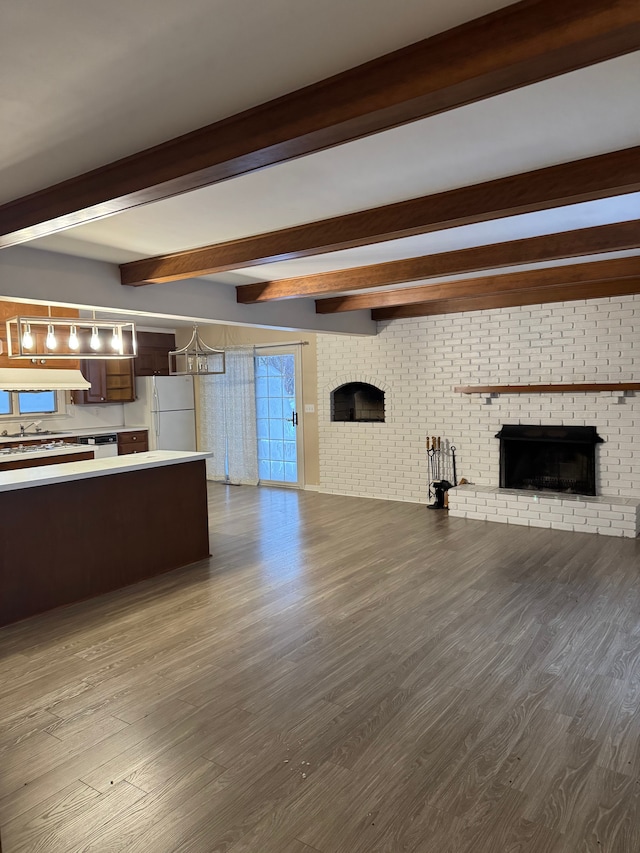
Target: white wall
<point>28,274</point>
<point>420,361</point>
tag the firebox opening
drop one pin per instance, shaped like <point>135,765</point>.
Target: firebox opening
<point>549,458</point>
<point>357,401</point>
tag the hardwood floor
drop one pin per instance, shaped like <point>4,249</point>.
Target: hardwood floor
<point>342,676</point>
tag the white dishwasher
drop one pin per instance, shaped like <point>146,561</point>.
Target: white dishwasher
<point>102,445</point>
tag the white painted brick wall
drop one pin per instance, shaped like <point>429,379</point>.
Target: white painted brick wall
<point>418,362</point>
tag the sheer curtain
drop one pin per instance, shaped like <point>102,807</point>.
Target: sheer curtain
<point>227,424</point>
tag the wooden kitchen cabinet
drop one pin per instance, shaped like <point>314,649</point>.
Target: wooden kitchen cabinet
<point>133,442</point>
<point>27,461</point>
<point>153,353</point>
<point>120,382</point>
<point>111,382</point>
<point>95,373</point>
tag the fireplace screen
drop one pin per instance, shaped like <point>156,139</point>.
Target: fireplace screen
<point>549,458</point>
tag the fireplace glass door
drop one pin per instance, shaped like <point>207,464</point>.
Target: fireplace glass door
<point>549,458</point>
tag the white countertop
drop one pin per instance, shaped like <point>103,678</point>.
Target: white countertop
<point>58,434</point>
<point>40,453</point>
<point>47,475</point>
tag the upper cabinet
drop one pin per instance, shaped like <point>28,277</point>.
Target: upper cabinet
<point>153,353</point>
<point>120,382</point>
<point>111,382</point>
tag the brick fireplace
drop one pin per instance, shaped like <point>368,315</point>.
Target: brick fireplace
<point>553,458</point>
<point>548,479</point>
<point>420,361</point>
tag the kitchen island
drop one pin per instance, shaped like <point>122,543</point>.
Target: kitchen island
<point>73,531</point>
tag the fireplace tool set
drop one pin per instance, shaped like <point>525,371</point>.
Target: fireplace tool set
<point>441,456</point>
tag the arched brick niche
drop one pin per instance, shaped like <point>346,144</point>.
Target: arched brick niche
<point>357,402</point>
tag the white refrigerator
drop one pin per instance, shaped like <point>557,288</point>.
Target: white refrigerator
<point>165,405</point>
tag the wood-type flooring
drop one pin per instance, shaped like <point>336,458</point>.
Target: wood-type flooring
<point>342,676</point>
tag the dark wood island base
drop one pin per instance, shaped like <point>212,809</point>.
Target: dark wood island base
<point>71,540</point>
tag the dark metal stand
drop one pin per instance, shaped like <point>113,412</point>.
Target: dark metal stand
<point>440,487</point>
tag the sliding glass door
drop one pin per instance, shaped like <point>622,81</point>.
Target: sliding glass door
<point>279,421</point>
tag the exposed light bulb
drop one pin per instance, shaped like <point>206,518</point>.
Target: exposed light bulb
<point>74,343</point>
<point>51,342</point>
<point>115,339</point>
<point>95,343</point>
<point>27,337</point>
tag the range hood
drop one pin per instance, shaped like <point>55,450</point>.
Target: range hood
<point>41,379</point>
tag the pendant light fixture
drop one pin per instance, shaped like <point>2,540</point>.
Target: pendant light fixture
<point>95,342</point>
<point>115,340</point>
<point>74,343</point>
<point>196,358</point>
<point>27,337</point>
<point>51,342</point>
<point>45,337</point>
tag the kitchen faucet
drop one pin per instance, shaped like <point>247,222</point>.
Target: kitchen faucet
<point>23,429</point>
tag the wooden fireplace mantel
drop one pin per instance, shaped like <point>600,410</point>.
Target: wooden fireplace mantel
<point>553,388</point>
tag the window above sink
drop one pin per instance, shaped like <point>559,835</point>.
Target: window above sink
<point>20,403</point>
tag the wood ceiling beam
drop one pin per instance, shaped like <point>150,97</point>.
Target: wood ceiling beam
<point>514,282</point>
<point>603,176</point>
<point>534,296</point>
<point>619,236</point>
<point>515,46</point>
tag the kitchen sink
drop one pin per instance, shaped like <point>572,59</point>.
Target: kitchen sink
<point>32,434</point>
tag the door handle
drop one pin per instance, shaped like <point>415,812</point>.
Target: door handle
<point>294,419</point>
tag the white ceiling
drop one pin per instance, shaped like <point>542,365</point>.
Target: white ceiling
<point>84,82</point>
<point>563,119</point>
